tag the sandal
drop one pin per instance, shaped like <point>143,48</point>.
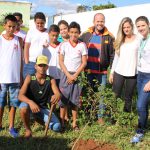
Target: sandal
<point>76,128</point>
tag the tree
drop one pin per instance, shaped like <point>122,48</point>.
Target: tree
<point>83,8</point>
<point>106,6</point>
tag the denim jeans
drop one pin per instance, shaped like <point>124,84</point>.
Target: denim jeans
<point>13,91</point>
<point>54,123</point>
<point>102,80</point>
<point>28,69</point>
<point>43,116</point>
<point>143,99</point>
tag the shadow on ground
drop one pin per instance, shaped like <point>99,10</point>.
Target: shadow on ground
<point>35,143</point>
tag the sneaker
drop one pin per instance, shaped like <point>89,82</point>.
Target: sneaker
<point>137,138</point>
<point>13,132</point>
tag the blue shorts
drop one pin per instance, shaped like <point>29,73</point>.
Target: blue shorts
<point>28,69</point>
<point>43,116</point>
<point>13,90</point>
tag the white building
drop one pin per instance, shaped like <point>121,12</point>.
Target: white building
<point>113,16</point>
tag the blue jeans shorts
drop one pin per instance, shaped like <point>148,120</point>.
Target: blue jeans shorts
<point>28,69</point>
<point>43,116</point>
<point>12,89</point>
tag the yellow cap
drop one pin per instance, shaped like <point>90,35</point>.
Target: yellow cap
<point>42,60</point>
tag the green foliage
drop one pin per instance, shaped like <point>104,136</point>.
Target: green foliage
<point>118,128</point>
<point>106,6</point>
<point>111,108</point>
<point>83,8</point>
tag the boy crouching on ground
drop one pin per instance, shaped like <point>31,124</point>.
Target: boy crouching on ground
<point>35,94</point>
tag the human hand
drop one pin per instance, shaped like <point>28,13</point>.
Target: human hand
<point>34,107</point>
<point>70,79</point>
<point>147,87</point>
<point>111,76</point>
<point>55,98</point>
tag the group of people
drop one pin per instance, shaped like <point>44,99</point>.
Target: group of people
<point>43,67</point>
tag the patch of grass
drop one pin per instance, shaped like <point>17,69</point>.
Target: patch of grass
<point>117,132</point>
<point>108,133</point>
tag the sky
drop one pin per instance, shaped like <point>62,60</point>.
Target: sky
<point>53,7</point>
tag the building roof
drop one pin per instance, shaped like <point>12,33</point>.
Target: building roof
<point>26,2</point>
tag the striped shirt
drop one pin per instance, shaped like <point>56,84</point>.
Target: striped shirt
<point>94,54</point>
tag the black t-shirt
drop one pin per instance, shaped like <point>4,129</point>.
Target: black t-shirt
<point>40,94</point>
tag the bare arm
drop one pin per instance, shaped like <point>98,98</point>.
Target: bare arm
<point>70,78</point>
<point>23,98</point>
<point>26,52</point>
<point>21,67</point>
<point>56,97</point>
<point>62,65</point>
<point>82,66</point>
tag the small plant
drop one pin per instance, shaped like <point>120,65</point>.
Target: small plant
<point>111,108</point>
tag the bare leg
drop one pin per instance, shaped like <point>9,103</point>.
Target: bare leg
<point>74,116</point>
<point>12,112</point>
<point>66,115</point>
<point>62,115</point>
<point>1,116</point>
<point>25,116</point>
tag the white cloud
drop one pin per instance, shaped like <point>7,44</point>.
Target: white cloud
<point>61,6</point>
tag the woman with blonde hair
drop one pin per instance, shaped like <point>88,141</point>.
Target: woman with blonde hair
<point>123,71</point>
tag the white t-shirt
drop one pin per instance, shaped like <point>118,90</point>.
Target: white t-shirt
<point>144,62</point>
<point>10,60</point>
<point>72,55</point>
<point>20,33</point>
<point>52,54</point>
<point>36,39</point>
<point>126,63</point>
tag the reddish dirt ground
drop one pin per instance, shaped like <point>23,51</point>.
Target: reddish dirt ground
<point>92,145</point>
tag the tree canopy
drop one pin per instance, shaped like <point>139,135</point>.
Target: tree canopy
<point>106,6</point>
<point>83,8</point>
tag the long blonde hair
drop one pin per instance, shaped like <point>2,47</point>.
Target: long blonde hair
<point>120,34</point>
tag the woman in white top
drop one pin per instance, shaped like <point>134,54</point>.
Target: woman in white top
<point>143,79</point>
<point>123,72</point>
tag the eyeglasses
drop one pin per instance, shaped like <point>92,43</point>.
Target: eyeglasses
<point>42,65</point>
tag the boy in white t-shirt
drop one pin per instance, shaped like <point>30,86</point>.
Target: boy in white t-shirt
<point>72,60</point>
<point>52,53</point>
<point>10,70</point>
<point>18,32</point>
<point>34,42</point>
